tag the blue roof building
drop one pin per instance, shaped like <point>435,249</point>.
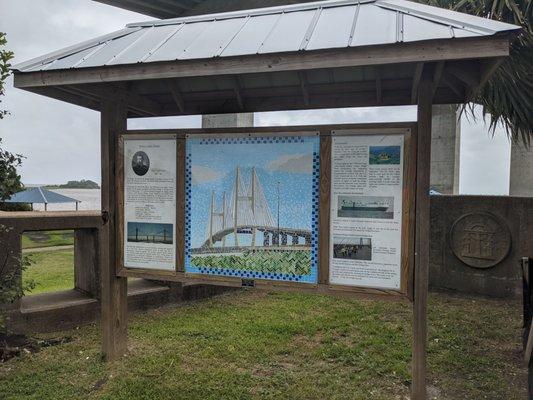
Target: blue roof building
<point>42,196</point>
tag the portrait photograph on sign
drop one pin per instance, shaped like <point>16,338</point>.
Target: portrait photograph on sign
<point>366,210</point>
<point>149,203</point>
<point>252,206</point>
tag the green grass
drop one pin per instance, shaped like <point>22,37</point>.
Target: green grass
<point>257,345</point>
<point>31,240</point>
<point>51,271</point>
<point>282,262</point>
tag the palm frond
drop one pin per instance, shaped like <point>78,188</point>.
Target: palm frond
<point>507,98</point>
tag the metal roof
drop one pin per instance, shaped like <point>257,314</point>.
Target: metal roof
<point>40,195</point>
<point>292,28</point>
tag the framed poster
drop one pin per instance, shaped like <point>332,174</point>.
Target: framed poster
<point>252,206</point>
<point>367,210</point>
<point>149,202</point>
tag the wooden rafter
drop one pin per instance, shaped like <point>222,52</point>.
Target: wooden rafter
<point>176,95</point>
<point>379,94</point>
<point>303,85</point>
<point>437,75</point>
<point>454,84</point>
<point>416,81</point>
<point>237,90</point>
<point>133,100</point>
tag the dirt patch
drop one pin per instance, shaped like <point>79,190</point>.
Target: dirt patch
<point>17,345</point>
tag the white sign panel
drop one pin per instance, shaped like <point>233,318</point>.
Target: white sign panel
<point>366,210</point>
<point>150,203</point>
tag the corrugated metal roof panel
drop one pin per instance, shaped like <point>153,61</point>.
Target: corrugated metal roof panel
<point>151,39</point>
<point>369,31</point>
<point>420,29</point>
<point>333,28</point>
<point>289,32</point>
<point>250,38</point>
<point>213,39</point>
<point>301,27</point>
<point>178,43</point>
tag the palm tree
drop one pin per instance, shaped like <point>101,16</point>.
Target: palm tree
<point>508,96</point>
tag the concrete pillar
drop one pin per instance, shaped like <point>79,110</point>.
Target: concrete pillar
<point>521,173</point>
<point>445,149</point>
<point>227,120</point>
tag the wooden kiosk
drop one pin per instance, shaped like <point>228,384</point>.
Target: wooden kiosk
<point>327,54</point>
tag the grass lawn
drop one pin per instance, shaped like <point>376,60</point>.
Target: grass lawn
<point>32,240</point>
<point>51,271</point>
<point>258,345</point>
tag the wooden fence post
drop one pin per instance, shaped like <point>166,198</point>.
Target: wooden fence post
<point>86,258</point>
<point>425,95</point>
<point>114,290</point>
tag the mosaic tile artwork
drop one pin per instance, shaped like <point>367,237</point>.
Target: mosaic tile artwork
<point>252,207</point>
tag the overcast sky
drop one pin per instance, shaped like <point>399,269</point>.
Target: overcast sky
<point>61,141</point>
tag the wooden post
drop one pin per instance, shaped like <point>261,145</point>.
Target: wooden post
<point>114,295</point>
<point>425,90</point>
<point>86,273</point>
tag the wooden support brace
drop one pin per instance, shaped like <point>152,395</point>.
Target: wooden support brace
<point>237,90</point>
<point>416,80</point>
<point>176,95</point>
<point>114,296</point>
<point>425,92</point>
<point>303,85</point>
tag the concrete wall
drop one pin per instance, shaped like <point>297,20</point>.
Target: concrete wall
<point>227,120</point>
<point>477,242</point>
<point>445,148</point>
<point>521,173</point>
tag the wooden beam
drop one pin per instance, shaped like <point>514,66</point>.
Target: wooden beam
<point>434,50</point>
<point>302,76</point>
<point>132,100</point>
<point>437,75</point>
<point>176,95</point>
<point>425,92</point>
<point>379,95</point>
<point>488,67</point>
<point>467,72</point>
<point>453,83</point>
<point>114,290</point>
<point>237,90</point>
<point>416,80</point>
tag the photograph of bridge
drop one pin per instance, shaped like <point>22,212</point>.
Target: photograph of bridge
<point>252,203</point>
<point>144,232</point>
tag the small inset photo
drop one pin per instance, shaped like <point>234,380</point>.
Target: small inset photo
<point>140,163</point>
<point>144,232</point>
<point>384,155</point>
<point>352,248</point>
<point>378,207</point>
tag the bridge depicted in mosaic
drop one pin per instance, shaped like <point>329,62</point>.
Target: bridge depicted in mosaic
<point>247,212</point>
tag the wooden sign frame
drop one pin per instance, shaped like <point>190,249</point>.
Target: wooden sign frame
<point>408,130</point>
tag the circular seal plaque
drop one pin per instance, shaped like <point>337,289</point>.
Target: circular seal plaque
<point>480,240</point>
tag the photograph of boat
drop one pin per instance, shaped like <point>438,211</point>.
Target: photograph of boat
<point>384,155</point>
<point>352,248</point>
<point>349,206</point>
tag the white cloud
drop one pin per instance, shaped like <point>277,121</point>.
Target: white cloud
<point>201,174</point>
<point>297,163</point>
